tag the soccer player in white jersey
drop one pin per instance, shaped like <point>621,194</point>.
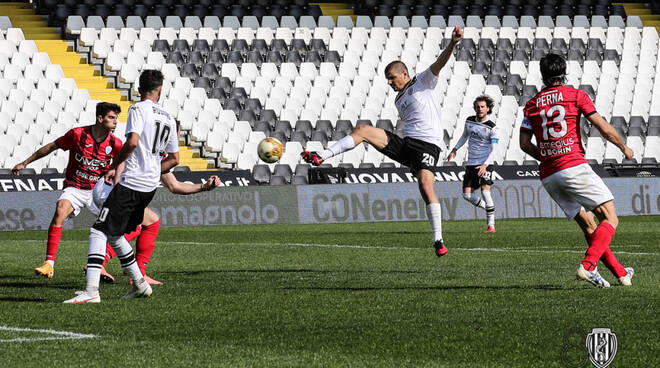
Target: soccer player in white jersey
<point>150,131</point>
<point>482,136</point>
<point>553,117</point>
<point>420,147</point>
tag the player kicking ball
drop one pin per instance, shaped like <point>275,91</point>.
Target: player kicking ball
<point>422,142</point>
<point>150,131</point>
<point>482,136</point>
<point>552,116</point>
<point>91,149</point>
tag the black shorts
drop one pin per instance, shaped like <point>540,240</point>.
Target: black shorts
<point>123,211</point>
<point>411,152</point>
<point>473,180</point>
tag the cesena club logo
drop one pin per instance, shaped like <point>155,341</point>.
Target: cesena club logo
<point>601,345</point>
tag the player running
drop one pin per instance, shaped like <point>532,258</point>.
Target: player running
<point>91,149</point>
<point>552,116</point>
<point>482,136</point>
<point>150,131</point>
<point>420,147</point>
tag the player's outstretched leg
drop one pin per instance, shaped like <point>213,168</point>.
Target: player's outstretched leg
<point>146,243</point>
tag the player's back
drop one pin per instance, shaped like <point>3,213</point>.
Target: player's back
<point>157,132</point>
<point>554,115</point>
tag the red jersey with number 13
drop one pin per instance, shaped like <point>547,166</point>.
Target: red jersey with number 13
<point>88,159</point>
<point>553,115</point>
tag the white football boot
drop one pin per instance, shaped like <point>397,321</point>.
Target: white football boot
<point>140,289</point>
<point>627,279</point>
<point>84,297</point>
<point>592,277</point>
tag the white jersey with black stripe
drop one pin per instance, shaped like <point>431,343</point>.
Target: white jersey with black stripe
<point>419,109</point>
<point>158,134</point>
<point>481,137</point>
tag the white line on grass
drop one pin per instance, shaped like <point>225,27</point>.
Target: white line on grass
<point>375,247</point>
<point>60,335</point>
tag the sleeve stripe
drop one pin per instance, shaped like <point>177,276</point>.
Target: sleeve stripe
<point>589,114</point>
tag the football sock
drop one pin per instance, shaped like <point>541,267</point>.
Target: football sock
<point>434,213</point>
<point>342,145</point>
<point>54,235</point>
<point>610,261</point>
<point>95,255</point>
<point>600,242</point>
<point>146,243</point>
<point>126,257</point>
<point>490,208</point>
<point>474,199</point>
<point>110,253</point>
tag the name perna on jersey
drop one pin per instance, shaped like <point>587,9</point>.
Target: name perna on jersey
<point>157,132</point>
<point>553,115</point>
<point>419,109</point>
<point>480,137</point>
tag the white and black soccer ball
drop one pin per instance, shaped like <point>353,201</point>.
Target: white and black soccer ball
<point>101,192</point>
<point>270,150</point>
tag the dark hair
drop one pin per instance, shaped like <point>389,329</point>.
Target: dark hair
<point>487,99</point>
<point>103,108</point>
<point>398,65</point>
<point>553,69</point>
<point>149,81</point>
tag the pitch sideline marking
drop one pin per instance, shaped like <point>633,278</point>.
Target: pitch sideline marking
<point>62,335</point>
<point>512,250</point>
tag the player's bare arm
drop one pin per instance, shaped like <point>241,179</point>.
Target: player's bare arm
<point>608,132</point>
<point>41,152</point>
<point>132,141</point>
<point>456,37</point>
<point>169,162</point>
<point>177,187</point>
<point>527,146</point>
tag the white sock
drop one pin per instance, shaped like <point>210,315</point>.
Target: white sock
<point>95,257</point>
<point>126,257</point>
<point>51,262</point>
<point>474,199</point>
<point>434,213</point>
<point>490,207</point>
<point>342,145</point>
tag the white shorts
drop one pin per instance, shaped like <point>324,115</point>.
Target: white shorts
<point>577,188</point>
<point>79,198</point>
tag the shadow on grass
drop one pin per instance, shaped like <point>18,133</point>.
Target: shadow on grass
<point>17,299</point>
<point>292,271</point>
<point>462,287</point>
<point>32,285</point>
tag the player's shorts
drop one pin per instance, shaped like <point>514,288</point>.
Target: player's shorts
<point>471,179</point>
<point>123,211</point>
<point>411,152</point>
<point>79,198</point>
<point>577,188</point>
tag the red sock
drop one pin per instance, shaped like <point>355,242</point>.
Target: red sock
<point>54,235</point>
<point>110,253</point>
<point>600,243</point>
<point>610,261</point>
<point>146,244</point>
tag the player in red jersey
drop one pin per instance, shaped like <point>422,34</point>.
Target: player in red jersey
<point>91,149</point>
<point>553,116</point>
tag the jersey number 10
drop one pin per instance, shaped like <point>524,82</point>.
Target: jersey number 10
<point>164,135</point>
<point>559,119</point>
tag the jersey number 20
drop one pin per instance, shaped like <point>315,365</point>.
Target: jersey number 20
<point>559,119</point>
<point>164,135</point>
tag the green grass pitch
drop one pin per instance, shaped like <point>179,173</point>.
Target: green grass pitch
<point>356,295</point>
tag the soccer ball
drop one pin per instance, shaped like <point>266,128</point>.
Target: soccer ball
<point>270,150</point>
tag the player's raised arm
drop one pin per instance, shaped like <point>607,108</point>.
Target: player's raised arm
<point>456,37</point>
<point>41,152</point>
<point>608,132</point>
